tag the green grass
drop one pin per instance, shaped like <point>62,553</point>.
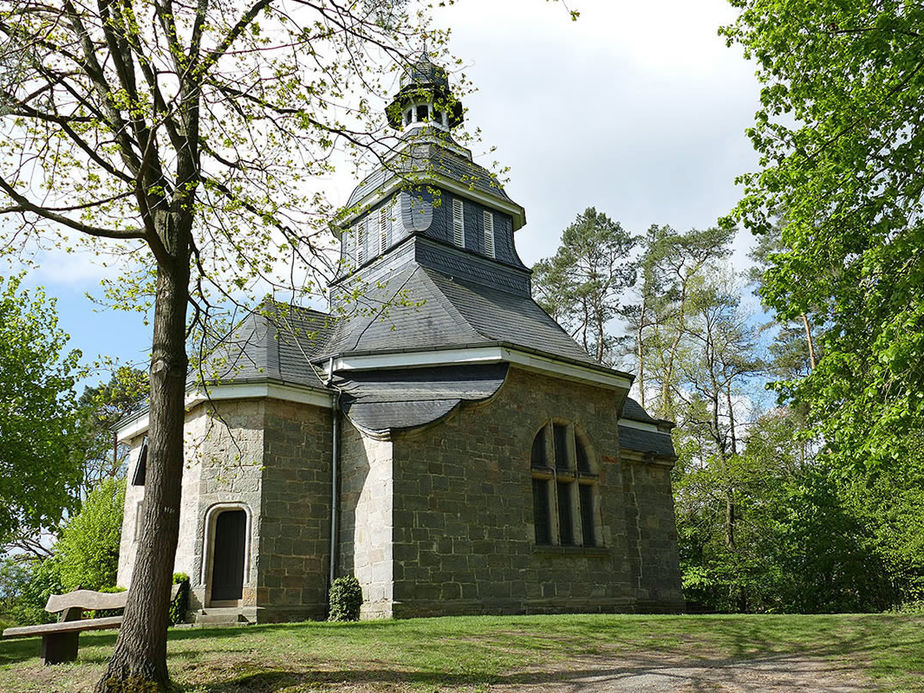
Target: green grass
<point>472,652</point>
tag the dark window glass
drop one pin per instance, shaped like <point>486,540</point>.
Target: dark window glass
<point>565,525</point>
<point>587,515</point>
<point>422,114</point>
<point>541,516</point>
<point>583,462</point>
<point>560,432</point>
<point>141,469</point>
<point>438,117</point>
<point>537,456</point>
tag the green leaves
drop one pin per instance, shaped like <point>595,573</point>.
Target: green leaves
<point>40,461</point>
<point>841,139</point>
<point>87,552</point>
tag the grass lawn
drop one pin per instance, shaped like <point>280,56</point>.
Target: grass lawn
<point>886,652</point>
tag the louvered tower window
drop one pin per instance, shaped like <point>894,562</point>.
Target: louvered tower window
<point>489,234</point>
<point>383,229</point>
<point>458,224</point>
<point>361,243</point>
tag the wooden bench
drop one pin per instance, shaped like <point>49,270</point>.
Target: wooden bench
<point>59,640</point>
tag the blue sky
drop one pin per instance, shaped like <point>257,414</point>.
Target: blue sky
<point>638,109</point>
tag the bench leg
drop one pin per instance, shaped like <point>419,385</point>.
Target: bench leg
<point>58,648</point>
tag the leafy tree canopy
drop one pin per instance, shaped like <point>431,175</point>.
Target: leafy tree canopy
<point>40,463</point>
<point>100,409</point>
<point>840,134</point>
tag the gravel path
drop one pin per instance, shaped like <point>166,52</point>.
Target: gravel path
<point>656,674</point>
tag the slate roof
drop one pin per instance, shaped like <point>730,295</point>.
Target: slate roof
<point>423,158</point>
<point>379,401</point>
<point>633,410</point>
<point>418,308</point>
<point>274,342</point>
<point>645,441</point>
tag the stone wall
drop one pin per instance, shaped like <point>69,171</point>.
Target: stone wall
<point>271,459</point>
<point>367,496</point>
<point>464,537</point>
<point>295,530</point>
<point>134,496</point>
<point>223,471</point>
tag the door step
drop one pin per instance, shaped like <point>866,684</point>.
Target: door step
<point>226,616</point>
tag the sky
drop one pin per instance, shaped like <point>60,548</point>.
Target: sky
<point>638,109</point>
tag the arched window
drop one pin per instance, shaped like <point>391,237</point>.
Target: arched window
<point>565,483</point>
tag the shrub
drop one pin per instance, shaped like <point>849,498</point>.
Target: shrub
<point>180,603</point>
<point>346,596</point>
<point>88,546</point>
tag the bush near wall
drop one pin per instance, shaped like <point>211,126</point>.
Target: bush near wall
<point>346,597</point>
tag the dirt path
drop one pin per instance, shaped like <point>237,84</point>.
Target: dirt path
<point>657,674</point>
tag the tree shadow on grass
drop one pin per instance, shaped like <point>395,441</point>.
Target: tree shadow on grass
<point>641,672</point>
<point>19,650</point>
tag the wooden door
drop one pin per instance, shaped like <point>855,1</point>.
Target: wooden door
<point>228,555</point>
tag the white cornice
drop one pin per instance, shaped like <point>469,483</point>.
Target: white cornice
<point>482,354</point>
<point>288,393</point>
<point>640,425</point>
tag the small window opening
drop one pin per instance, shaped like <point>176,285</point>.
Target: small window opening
<point>141,469</point>
<point>361,243</point>
<point>560,436</point>
<point>583,462</point>
<point>541,511</point>
<point>423,114</point>
<point>537,456</point>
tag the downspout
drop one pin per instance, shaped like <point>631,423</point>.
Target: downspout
<point>335,472</point>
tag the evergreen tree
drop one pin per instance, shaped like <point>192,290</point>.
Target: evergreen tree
<point>583,285</point>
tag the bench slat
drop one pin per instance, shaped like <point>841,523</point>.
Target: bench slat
<point>64,627</point>
<point>86,599</point>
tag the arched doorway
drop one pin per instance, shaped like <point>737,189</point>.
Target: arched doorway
<point>229,546</point>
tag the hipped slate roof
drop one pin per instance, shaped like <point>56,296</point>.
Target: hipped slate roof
<point>417,308</point>
<point>643,440</point>
<point>277,343</point>
<point>274,342</point>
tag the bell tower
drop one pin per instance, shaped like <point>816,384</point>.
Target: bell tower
<point>428,197</point>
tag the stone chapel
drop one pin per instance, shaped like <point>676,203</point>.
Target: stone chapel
<point>448,444</point>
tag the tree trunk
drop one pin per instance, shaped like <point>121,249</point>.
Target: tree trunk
<point>809,340</point>
<point>731,421</point>
<point>666,407</point>
<point>641,355</point>
<point>139,662</point>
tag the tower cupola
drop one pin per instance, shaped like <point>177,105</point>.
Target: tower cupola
<point>424,99</point>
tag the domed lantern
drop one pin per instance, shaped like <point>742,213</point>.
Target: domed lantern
<point>424,99</point>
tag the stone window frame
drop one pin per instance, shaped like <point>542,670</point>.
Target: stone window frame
<point>208,544</point>
<point>566,475</point>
